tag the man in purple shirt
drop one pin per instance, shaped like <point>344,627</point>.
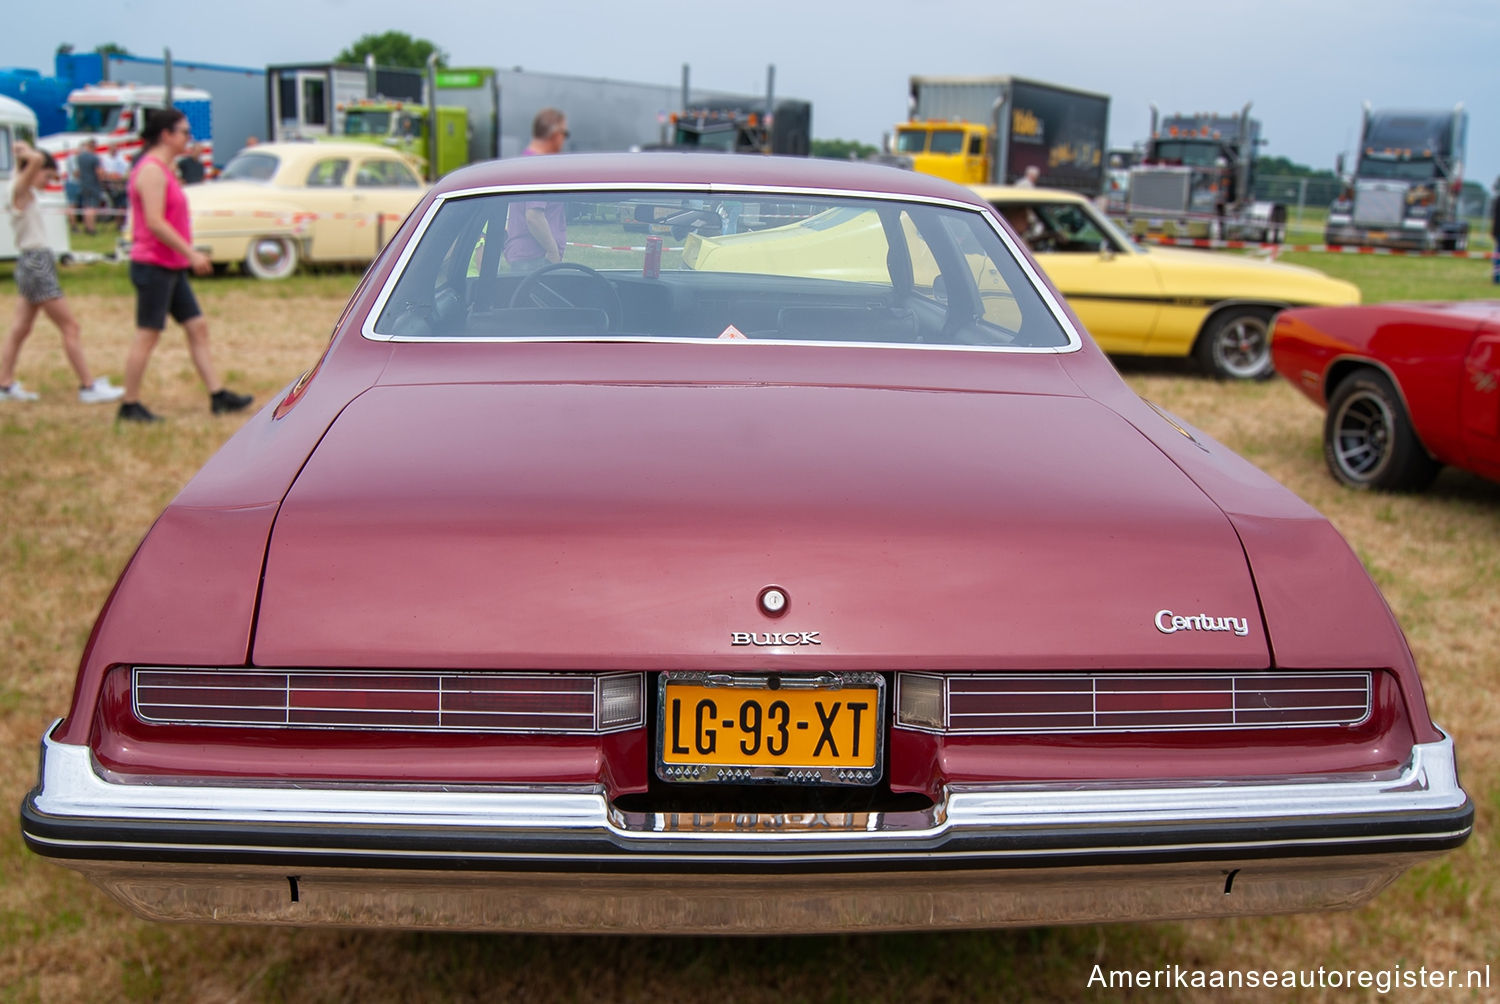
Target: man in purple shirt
<point>536,235</point>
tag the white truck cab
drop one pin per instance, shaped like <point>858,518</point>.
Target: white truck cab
<point>19,122</point>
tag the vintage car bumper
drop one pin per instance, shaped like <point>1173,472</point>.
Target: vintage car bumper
<point>566,861</point>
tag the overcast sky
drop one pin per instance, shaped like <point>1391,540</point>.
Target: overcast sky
<point>1307,65</point>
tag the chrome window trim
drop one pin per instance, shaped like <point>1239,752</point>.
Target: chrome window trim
<point>1039,284</point>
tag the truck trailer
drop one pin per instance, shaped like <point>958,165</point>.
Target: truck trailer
<point>1197,177</point>
<point>1406,185</point>
<point>990,130</point>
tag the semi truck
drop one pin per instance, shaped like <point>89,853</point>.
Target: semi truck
<point>742,125</point>
<point>1406,185</point>
<point>104,98</point>
<point>1197,177</point>
<point>309,100</point>
<point>235,95</point>
<point>408,127</point>
<point>459,125</point>
<point>111,115</point>
<point>990,130</point>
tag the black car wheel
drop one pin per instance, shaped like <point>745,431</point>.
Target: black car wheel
<point>1236,344</point>
<point>1368,439</point>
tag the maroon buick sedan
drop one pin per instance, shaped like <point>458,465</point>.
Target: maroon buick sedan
<point>797,565</point>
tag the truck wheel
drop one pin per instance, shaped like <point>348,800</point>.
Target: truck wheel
<point>271,257</point>
<point>1235,344</point>
<point>1368,439</point>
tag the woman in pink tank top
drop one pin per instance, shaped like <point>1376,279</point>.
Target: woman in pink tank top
<point>161,255</point>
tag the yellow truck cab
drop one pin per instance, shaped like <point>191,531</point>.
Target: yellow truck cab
<point>958,151</point>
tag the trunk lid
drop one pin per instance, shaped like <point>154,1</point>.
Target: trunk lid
<point>634,526</point>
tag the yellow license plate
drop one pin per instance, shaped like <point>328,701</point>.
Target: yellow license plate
<point>823,729</point>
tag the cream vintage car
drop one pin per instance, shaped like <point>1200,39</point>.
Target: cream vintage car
<point>277,205</point>
<point>1161,301</point>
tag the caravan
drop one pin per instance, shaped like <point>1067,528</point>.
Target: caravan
<point>19,122</point>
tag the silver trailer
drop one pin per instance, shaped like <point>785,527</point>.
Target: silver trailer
<point>603,115</point>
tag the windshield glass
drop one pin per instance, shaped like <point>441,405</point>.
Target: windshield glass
<point>1197,154</point>
<point>94,118</point>
<point>367,123</point>
<point>947,141</point>
<point>911,141</point>
<point>249,166</point>
<point>686,265</point>
<point>1062,227</point>
<point>1394,131</point>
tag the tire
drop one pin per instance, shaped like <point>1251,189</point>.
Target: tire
<point>1235,344</point>
<point>1368,439</point>
<point>271,257</point>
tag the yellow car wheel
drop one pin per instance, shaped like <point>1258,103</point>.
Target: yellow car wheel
<point>1236,344</point>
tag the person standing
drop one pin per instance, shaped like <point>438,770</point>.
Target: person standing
<point>114,169</point>
<point>535,238</point>
<point>36,277</point>
<point>1495,234</point>
<point>161,256</point>
<point>90,186</point>
<point>190,167</point>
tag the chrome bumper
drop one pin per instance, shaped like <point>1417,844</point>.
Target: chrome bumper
<point>566,861</point>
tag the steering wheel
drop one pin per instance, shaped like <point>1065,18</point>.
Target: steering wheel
<point>535,292</point>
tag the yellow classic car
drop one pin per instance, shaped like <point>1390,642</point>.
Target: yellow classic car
<point>1161,301</point>
<point>278,204</point>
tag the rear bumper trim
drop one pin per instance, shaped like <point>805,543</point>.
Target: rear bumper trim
<point>221,851</point>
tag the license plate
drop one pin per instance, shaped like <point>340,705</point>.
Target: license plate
<point>1377,235</point>
<point>743,728</point>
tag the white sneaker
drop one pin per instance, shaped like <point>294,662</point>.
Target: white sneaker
<point>101,391</point>
<point>17,393</point>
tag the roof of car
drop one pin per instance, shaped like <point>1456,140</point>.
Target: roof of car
<point>301,149</point>
<point>691,170</point>
<point>1017,193</point>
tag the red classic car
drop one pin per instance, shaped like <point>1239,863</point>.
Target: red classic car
<point>817,573</point>
<point>1408,387</point>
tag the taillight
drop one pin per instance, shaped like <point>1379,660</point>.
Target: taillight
<point>559,703</point>
<point>1127,702</point>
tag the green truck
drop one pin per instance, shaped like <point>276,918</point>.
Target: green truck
<point>405,125</point>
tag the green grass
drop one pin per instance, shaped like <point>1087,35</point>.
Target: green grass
<point>78,493</point>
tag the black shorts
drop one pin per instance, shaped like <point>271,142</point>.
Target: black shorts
<point>159,292</point>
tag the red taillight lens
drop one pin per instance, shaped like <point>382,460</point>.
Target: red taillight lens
<point>458,702</point>
<point>1128,702</point>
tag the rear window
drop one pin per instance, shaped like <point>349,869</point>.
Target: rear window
<point>248,166</point>
<point>686,265</point>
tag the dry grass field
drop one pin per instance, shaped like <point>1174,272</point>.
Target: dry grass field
<point>76,493</point>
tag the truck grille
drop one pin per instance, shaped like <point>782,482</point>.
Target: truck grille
<point>1379,205</point>
<point>1161,191</point>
